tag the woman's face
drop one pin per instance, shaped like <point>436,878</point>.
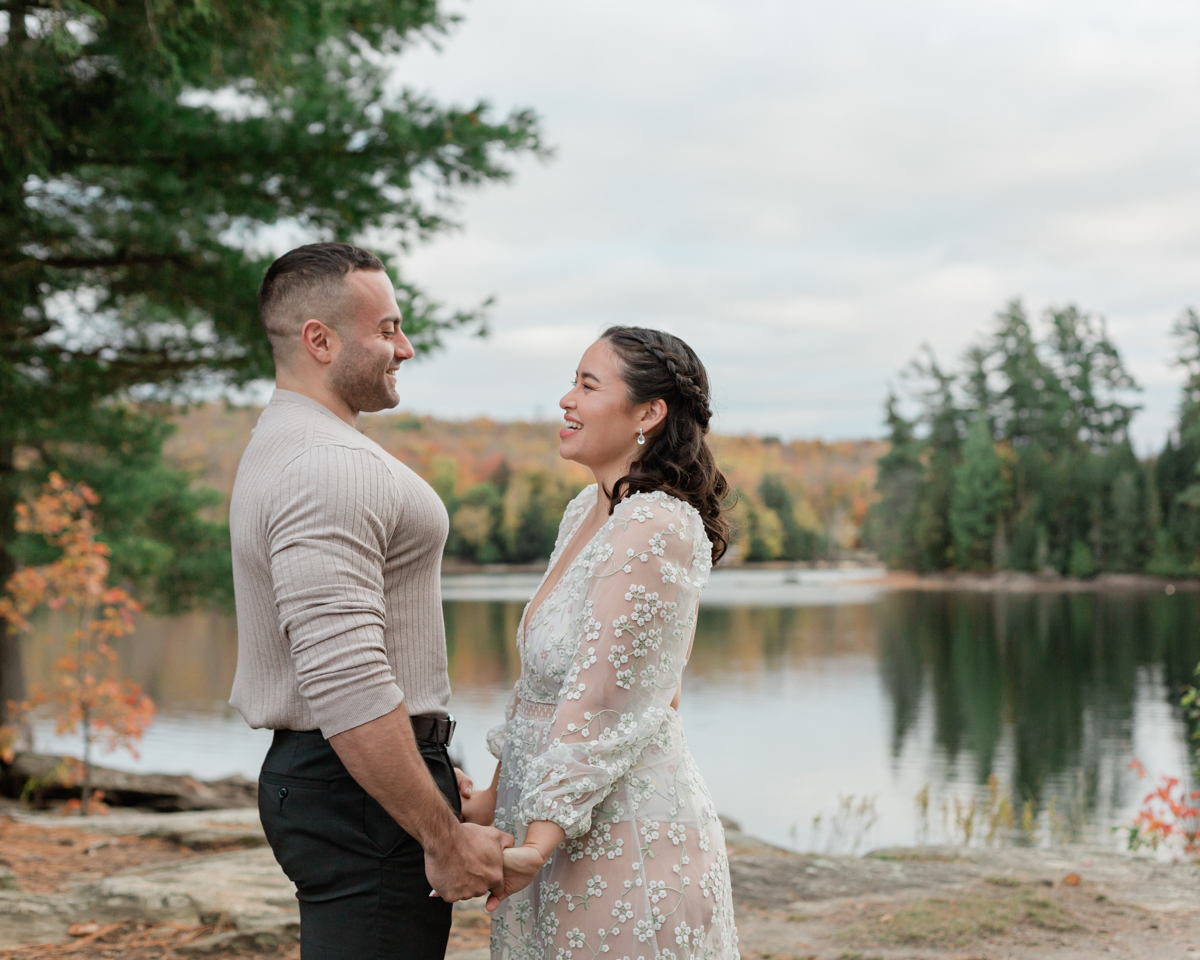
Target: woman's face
<point>602,425</point>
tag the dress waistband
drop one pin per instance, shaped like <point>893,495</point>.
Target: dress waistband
<point>536,710</point>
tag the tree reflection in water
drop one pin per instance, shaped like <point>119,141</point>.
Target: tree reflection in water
<point>1058,673</point>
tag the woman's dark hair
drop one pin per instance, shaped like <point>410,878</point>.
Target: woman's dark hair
<point>676,458</point>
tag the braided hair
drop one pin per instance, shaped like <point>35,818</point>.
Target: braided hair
<point>677,458</point>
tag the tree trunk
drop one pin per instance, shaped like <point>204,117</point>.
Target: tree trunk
<point>16,24</point>
<point>12,673</point>
<point>1000,544</point>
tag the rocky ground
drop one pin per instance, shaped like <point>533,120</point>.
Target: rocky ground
<point>136,885</point>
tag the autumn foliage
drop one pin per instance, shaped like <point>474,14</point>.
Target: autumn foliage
<point>85,692</point>
<point>1169,814</point>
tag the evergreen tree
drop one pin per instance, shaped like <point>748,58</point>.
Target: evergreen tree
<point>534,536</point>
<point>1127,536</point>
<point>1046,477</point>
<point>151,151</point>
<point>889,528</point>
<point>1176,471</point>
<point>798,542</point>
<point>933,540</point>
<point>977,500</point>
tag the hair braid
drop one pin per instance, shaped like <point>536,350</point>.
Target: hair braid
<point>676,458</point>
<point>688,389</point>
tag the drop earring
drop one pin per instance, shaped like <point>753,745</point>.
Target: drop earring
<point>641,437</point>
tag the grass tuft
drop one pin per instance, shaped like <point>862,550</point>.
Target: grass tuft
<point>957,923</point>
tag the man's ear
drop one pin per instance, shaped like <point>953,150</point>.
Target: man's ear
<point>319,340</point>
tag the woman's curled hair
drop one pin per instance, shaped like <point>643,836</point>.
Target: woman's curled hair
<point>677,458</point>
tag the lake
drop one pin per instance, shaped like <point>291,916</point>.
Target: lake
<point>818,706</point>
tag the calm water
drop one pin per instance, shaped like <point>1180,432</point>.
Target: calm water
<point>803,691</point>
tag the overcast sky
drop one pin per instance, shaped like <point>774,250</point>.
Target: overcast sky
<point>807,192</point>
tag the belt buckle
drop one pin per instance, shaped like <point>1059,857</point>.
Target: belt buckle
<point>451,725</point>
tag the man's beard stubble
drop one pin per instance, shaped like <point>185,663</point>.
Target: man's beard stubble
<point>360,382</point>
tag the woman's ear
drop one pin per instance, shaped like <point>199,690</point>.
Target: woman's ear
<point>654,414</point>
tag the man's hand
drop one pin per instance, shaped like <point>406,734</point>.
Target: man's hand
<point>471,865</point>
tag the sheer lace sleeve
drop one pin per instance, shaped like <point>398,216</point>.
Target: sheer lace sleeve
<point>642,595</point>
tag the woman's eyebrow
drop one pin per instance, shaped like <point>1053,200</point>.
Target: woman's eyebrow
<point>584,375</point>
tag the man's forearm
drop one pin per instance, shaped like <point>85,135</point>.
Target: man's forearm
<point>382,757</point>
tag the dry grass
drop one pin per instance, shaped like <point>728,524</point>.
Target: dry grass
<point>958,922</point>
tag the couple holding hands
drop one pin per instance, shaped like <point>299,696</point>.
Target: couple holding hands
<point>597,837</point>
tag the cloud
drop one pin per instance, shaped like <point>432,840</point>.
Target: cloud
<point>807,192</point>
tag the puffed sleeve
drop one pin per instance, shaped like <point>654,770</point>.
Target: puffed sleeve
<point>633,634</point>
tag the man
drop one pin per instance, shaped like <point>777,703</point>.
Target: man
<point>341,645</point>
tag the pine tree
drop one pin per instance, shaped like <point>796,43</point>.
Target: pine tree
<point>889,528</point>
<point>1177,470</point>
<point>152,151</point>
<point>978,498</point>
<point>1038,482</point>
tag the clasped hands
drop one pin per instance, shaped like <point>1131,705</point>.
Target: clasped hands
<point>517,866</point>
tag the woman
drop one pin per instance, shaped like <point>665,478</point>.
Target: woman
<point>621,851</point>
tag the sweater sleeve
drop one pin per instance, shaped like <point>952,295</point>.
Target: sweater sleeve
<point>336,509</point>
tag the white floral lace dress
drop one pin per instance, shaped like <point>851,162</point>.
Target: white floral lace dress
<point>591,742</point>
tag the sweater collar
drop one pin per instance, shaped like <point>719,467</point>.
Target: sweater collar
<point>290,396</point>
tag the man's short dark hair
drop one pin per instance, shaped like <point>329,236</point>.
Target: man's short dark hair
<point>304,284</point>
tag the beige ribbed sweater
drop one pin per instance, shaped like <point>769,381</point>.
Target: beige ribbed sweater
<point>337,550</point>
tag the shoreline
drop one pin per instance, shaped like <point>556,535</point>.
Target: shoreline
<point>1005,581</point>
<point>1013,582</point>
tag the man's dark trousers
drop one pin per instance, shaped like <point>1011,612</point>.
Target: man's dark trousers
<point>360,878</point>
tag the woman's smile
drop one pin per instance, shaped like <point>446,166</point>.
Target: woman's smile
<point>571,427</point>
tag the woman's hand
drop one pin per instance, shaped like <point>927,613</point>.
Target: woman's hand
<point>479,806</point>
<point>521,865</point>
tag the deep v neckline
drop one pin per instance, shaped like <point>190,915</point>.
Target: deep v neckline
<point>530,609</point>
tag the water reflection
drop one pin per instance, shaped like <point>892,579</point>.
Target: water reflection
<point>786,707</point>
<point>1059,674</point>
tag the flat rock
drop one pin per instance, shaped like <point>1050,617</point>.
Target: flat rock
<point>196,829</point>
<point>122,788</point>
<point>246,887</point>
<point>777,882</point>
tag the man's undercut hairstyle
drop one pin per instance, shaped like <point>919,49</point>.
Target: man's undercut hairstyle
<point>307,284</point>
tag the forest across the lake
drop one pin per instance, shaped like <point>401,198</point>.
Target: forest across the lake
<point>1021,459</point>
<point>505,486</point>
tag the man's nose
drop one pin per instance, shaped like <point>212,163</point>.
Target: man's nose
<point>404,349</point>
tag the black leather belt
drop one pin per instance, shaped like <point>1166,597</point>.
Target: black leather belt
<point>433,729</point>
